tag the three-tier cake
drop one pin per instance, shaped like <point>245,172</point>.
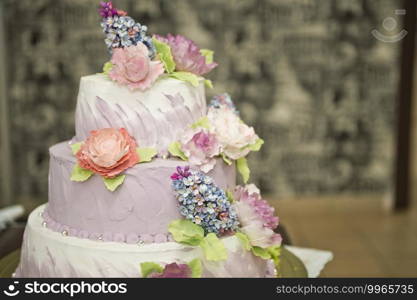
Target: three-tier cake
<point>147,186</point>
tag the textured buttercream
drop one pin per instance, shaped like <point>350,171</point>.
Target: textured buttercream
<point>155,117</point>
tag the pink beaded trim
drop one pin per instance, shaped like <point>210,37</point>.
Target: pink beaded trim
<point>129,238</point>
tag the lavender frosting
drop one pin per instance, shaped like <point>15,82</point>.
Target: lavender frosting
<point>49,254</point>
<point>139,210</point>
<point>154,117</point>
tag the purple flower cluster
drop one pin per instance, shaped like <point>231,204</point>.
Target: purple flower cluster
<point>122,31</point>
<point>203,202</point>
<point>107,10</point>
<point>181,173</point>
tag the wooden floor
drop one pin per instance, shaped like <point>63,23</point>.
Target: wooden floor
<point>367,241</point>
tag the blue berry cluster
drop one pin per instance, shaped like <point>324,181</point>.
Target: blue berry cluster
<point>123,31</point>
<point>204,203</point>
<point>223,100</point>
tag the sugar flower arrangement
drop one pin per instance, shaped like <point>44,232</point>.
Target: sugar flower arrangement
<point>108,152</point>
<point>209,212</point>
<point>219,134</point>
<point>203,202</point>
<point>138,60</point>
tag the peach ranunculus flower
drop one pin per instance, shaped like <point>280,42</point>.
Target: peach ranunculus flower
<point>133,67</point>
<point>108,152</point>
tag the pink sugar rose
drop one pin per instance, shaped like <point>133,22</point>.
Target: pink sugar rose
<point>187,55</point>
<point>132,67</point>
<point>200,146</point>
<point>233,135</point>
<point>108,152</point>
<point>256,217</point>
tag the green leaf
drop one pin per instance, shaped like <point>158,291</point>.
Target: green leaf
<point>186,232</point>
<point>79,174</point>
<point>203,122</point>
<point>213,248</point>
<point>244,240</point>
<point>75,147</point>
<point>226,159</point>
<point>208,83</point>
<point>196,268</point>
<point>193,79</point>
<point>175,149</point>
<point>107,67</point>
<point>261,252</point>
<point>148,268</point>
<point>113,183</point>
<point>243,168</point>
<point>230,196</point>
<point>146,154</point>
<point>165,55</point>
<point>274,252</point>
<point>257,145</point>
<point>208,54</point>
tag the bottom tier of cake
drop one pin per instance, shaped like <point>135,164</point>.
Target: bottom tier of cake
<point>46,253</point>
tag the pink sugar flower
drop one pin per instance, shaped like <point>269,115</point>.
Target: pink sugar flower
<point>233,135</point>
<point>264,212</point>
<point>256,217</point>
<point>200,146</point>
<point>108,152</point>
<point>133,67</point>
<point>187,55</point>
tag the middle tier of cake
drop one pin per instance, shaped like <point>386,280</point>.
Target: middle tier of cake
<point>139,210</point>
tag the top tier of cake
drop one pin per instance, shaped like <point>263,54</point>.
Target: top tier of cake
<point>153,117</point>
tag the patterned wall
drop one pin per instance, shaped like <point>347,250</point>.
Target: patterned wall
<point>306,73</point>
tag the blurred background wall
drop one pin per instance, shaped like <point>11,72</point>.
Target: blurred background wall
<point>307,74</point>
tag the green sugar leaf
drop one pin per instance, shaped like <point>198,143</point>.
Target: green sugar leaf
<point>257,145</point>
<point>165,55</point>
<point>191,78</point>
<point>75,147</point>
<point>274,252</point>
<point>175,150</point>
<point>244,240</point>
<point>230,196</point>
<point>261,252</point>
<point>208,54</point>
<point>107,67</point>
<point>243,168</point>
<point>113,183</point>
<point>196,268</point>
<point>202,122</point>
<point>186,232</point>
<point>213,248</point>
<point>148,268</point>
<point>79,174</point>
<point>146,154</point>
<point>226,159</point>
<point>208,83</point>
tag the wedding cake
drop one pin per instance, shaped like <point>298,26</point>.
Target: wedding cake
<point>147,186</point>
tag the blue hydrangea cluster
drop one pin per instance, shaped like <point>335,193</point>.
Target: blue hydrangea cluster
<point>223,100</point>
<point>203,202</point>
<point>123,31</point>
